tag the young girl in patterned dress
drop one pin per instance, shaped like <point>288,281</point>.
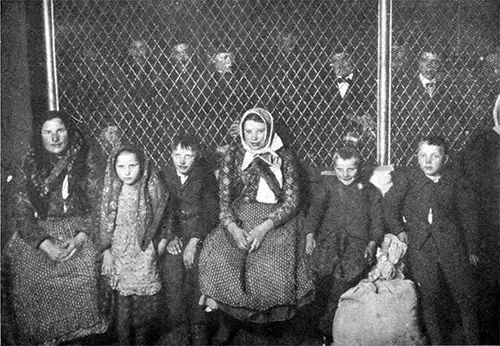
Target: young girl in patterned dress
<point>133,202</point>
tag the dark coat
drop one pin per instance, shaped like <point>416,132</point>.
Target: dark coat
<point>341,115</point>
<point>358,101</point>
<point>194,205</point>
<point>480,163</point>
<point>415,112</point>
<point>454,216</point>
<point>336,208</point>
<point>437,251</point>
<point>345,219</point>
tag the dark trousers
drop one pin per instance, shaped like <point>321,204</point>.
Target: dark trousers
<point>182,290</point>
<point>487,276</point>
<point>135,318</point>
<point>429,266</point>
<point>335,289</point>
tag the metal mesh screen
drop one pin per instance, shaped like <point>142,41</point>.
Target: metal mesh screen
<point>154,68</point>
<point>465,37</point>
<point>159,68</point>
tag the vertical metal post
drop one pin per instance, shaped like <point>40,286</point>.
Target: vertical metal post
<point>50,55</point>
<point>384,82</point>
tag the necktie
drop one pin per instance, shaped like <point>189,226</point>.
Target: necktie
<point>343,80</point>
<point>430,87</point>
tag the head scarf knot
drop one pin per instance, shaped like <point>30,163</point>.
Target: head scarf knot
<point>264,161</point>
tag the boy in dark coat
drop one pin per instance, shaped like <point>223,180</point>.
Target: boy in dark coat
<point>343,227</point>
<point>194,213</point>
<point>432,209</point>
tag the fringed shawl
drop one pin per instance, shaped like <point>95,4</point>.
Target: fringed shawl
<point>151,201</point>
<point>44,174</point>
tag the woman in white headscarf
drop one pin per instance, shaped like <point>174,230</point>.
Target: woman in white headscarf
<point>249,266</point>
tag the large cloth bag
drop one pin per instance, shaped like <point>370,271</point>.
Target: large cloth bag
<point>378,313</point>
<point>382,309</point>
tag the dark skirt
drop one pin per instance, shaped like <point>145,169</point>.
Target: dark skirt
<point>267,285</point>
<point>54,302</point>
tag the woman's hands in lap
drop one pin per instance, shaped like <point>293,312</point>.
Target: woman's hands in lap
<point>250,240</point>
<point>240,236</point>
<point>65,251</point>
<point>73,245</point>
<point>258,233</point>
<point>54,251</point>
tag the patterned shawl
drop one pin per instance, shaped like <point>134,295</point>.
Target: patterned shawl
<point>111,192</point>
<point>44,174</point>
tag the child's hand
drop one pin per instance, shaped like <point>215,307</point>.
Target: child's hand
<point>108,263</point>
<point>473,259</point>
<point>370,252</point>
<point>403,236</point>
<point>190,252</point>
<point>174,247</point>
<point>310,243</point>
<point>161,247</point>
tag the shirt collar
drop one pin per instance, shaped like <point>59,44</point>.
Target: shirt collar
<point>434,178</point>
<point>349,76</point>
<point>425,80</point>
<point>182,177</point>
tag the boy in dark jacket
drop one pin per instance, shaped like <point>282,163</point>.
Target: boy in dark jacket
<point>432,209</point>
<point>343,227</point>
<point>194,212</point>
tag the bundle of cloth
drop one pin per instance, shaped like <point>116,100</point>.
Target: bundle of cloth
<point>381,309</point>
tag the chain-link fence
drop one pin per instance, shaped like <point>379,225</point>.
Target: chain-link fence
<point>464,35</point>
<point>159,68</point>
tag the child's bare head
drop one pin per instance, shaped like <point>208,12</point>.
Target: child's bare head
<point>347,162</point>
<point>185,149</point>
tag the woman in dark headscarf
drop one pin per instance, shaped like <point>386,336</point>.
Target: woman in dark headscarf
<point>249,266</point>
<point>53,260</point>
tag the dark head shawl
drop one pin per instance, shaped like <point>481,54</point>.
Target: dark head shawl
<point>46,171</point>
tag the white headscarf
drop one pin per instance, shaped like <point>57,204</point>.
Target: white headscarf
<point>267,153</point>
